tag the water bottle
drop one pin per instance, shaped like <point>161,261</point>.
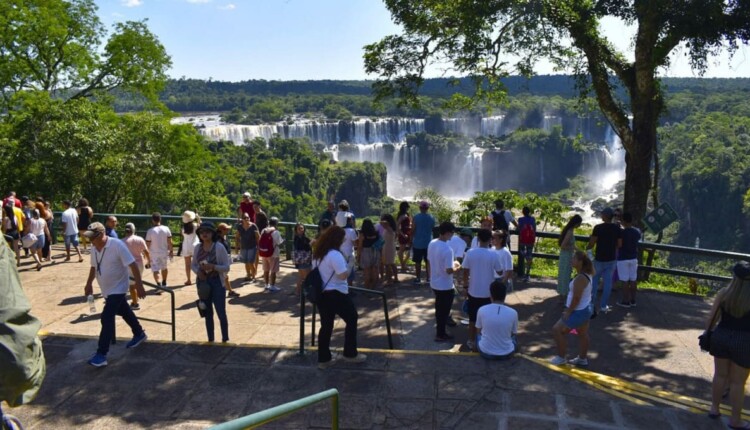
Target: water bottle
<point>92,306</point>
<point>510,285</point>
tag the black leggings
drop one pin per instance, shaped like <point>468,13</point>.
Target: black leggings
<point>334,303</point>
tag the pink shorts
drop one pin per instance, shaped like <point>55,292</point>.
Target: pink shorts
<point>270,264</point>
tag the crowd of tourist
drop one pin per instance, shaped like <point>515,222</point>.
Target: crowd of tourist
<point>381,251</point>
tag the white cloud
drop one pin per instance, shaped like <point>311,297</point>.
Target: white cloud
<point>131,3</point>
<point>229,6</point>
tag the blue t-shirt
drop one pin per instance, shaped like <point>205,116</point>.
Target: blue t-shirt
<point>423,224</point>
<point>629,250</point>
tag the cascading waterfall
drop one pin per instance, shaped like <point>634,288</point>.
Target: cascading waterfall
<point>383,140</point>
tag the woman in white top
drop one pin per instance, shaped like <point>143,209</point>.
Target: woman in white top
<point>335,299</point>
<point>577,312</point>
<point>189,240</point>
<point>38,229</point>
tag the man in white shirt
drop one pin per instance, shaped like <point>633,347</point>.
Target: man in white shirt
<point>271,263</point>
<point>111,264</point>
<point>159,241</point>
<point>440,256</point>
<point>480,265</point>
<point>70,230</point>
<point>498,324</point>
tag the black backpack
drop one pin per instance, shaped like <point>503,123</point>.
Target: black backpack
<point>313,285</point>
<point>498,220</point>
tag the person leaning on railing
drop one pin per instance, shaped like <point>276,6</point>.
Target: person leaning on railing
<point>730,344</point>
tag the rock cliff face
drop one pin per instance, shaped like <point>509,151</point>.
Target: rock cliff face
<point>357,183</point>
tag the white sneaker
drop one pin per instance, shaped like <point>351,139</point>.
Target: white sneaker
<point>273,288</point>
<point>359,358</point>
<point>557,360</point>
<point>267,287</point>
<point>578,361</point>
<point>326,364</point>
<point>606,309</point>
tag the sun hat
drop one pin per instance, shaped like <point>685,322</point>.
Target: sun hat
<point>94,229</point>
<point>424,204</point>
<point>188,216</point>
<point>207,226</point>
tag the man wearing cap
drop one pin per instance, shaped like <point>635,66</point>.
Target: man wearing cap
<point>605,236</point>
<point>246,207</point>
<point>159,240</point>
<point>110,226</point>
<point>138,248</point>
<point>343,214</point>
<point>110,261</point>
<point>423,225</point>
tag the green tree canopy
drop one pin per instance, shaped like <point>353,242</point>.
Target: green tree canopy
<point>477,38</point>
<point>59,46</point>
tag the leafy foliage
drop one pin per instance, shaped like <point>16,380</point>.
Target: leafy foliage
<point>546,210</point>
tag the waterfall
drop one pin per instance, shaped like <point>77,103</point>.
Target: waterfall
<point>613,170</point>
<point>541,169</point>
<point>493,126</point>
<point>470,178</point>
<point>550,121</point>
<point>358,131</point>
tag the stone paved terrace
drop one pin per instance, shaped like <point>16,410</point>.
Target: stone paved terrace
<point>192,384</point>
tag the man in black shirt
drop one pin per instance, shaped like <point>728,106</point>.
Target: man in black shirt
<point>605,237</point>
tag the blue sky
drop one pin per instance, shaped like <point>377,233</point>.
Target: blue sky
<point>235,40</point>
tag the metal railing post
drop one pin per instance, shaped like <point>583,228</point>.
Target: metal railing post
<point>266,416</point>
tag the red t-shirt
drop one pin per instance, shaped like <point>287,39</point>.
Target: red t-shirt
<point>247,208</point>
<point>17,202</point>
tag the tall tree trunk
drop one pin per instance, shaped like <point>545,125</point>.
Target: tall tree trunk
<point>638,173</point>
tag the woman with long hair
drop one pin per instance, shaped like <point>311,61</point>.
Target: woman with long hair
<point>335,299</point>
<point>389,248</point>
<point>211,263</point>
<point>189,240</point>
<point>567,242</point>
<point>730,344</point>
<point>403,220</point>
<point>38,227</point>
<point>85,217</point>
<point>301,255</point>
<point>577,313</point>
<point>368,255</point>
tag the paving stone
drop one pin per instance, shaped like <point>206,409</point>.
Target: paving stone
<point>690,421</point>
<point>448,413</point>
<point>531,423</point>
<point>636,417</point>
<point>466,386</point>
<point>534,403</point>
<point>480,420</point>
<point>589,410</point>
<point>408,413</point>
<point>410,385</point>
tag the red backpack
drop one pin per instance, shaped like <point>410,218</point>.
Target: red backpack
<point>527,236</point>
<point>265,244</point>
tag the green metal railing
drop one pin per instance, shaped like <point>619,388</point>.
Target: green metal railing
<point>171,295</point>
<point>302,302</point>
<point>288,227</point>
<point>264,417</point>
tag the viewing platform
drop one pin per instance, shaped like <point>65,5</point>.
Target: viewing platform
<point>420,384</point>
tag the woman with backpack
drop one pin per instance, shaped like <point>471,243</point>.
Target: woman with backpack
<point>526,241</point>
<point>368,252</point>
<point>335,299</point>
<point>211,264</point>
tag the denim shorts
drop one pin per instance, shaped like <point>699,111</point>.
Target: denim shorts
<point>71,239</point>
<point>578,318</point>
<point>248,255</point>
